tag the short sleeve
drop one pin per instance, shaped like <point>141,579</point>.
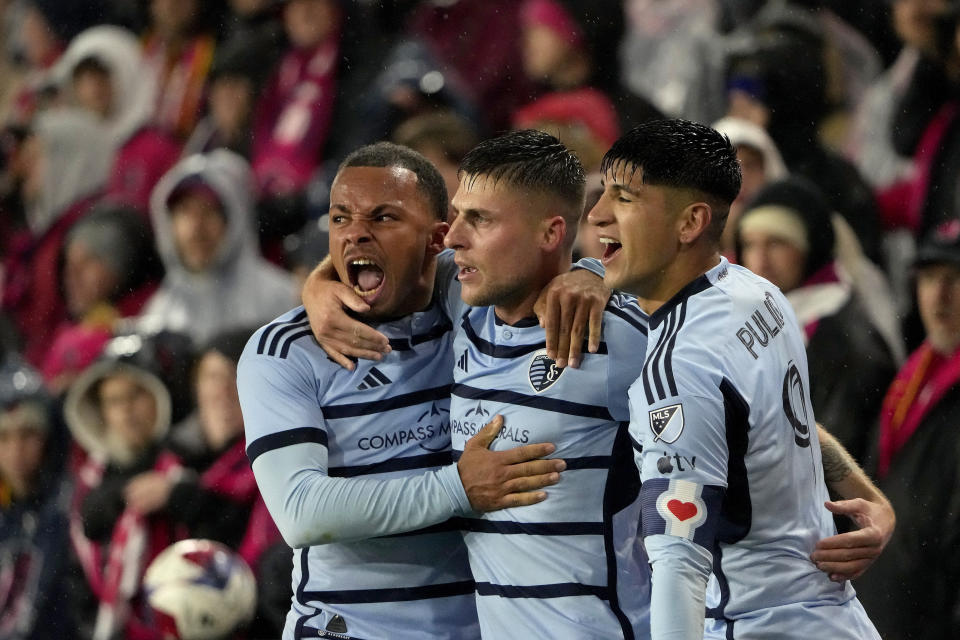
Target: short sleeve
<point>279,400</point>
<point>681,452</point>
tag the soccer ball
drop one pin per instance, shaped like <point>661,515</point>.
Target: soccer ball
<point>200,590</point>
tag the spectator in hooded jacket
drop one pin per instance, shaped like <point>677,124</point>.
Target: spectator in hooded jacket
<point>66,161</point>
<point>103,71</point>
<point>215,278</point>
<point>118,414</point>
<point>33,512</point>
<point>760,163</point>
<point>786,234</point>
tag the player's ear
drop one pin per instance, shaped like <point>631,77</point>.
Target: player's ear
<point>554,231</point>
<point>437,234</point>
<point>694,221</point>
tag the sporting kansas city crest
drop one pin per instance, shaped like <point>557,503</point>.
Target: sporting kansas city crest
<point>543,371</point>
<point>667,423</point>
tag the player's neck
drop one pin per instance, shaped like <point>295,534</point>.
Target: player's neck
<point>522,304</point>
<point>681,272</point>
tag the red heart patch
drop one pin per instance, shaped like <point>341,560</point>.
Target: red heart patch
<point>682,510</point>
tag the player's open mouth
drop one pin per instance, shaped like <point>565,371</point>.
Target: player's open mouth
<point>466,272</point>
<point>610,249</point>
<point>366,276</point>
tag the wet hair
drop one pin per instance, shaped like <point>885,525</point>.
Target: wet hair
<point>387,154</point>
<point>535,161</point>
<point>682,155</point>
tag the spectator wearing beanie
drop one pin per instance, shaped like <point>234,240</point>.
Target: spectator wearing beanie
<point>34,542</point>
<point>216,279</point>
<point>786,234</point>
<point>110,269</point>
<point>570,48</point>
<point>67,163</point>
<point>583,118</point>
<point>913,589</point>
<point>103,71</point>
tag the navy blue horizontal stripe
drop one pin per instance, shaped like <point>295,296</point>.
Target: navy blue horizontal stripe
<point>394,464</point>
<point>634,322</point>
<point>451,525</point>
<point>285,349</point>
<point>399,594</point>
<point>542,591</point>
<point>573,464</point>
<point>537,402</point>
<point>336,411</point>
<point>495,350</point>
<point>509,527</point>
<point>588,462</point>
<point>434,333</point>
<point>262,345</point>
<point>284,439</point>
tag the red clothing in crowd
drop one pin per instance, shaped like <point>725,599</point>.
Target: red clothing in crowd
<point>293,117</point>
<point>920,384</point>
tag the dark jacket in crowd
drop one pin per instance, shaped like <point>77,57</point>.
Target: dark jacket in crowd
<point>912,591</point>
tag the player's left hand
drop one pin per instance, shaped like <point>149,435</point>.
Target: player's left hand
<point>148,492</point>
<point>568,306</point>
<point>848,555</point>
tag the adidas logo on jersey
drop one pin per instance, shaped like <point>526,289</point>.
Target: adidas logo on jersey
<point>462,362</point>
<point>375,378</point>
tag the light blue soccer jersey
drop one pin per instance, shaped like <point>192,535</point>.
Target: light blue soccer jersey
<point>570,567</point>
<point>343,456</point>
<point>729,458</point>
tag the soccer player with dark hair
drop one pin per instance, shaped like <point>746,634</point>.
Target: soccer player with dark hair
<point>567,567</point>
<point>355,465</point>
<point>724,384</point>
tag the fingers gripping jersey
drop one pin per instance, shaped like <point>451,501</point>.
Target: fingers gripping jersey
<point>727,449</point>
<point>356,469</point>
<point>569,567</point>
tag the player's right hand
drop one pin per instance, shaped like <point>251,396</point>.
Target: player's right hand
<point>339,335</point>
<point>511,478</point>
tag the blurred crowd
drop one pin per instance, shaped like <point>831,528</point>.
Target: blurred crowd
<point>164,175</point>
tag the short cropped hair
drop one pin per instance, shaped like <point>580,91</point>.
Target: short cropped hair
<point>532,160</point>
<point>387,154</point>
<point>683,155</point>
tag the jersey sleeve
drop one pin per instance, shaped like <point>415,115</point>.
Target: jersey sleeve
<point>447,286</point>
<point>287,448</point>
<point>590,264</point>
<point>682,455</point>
